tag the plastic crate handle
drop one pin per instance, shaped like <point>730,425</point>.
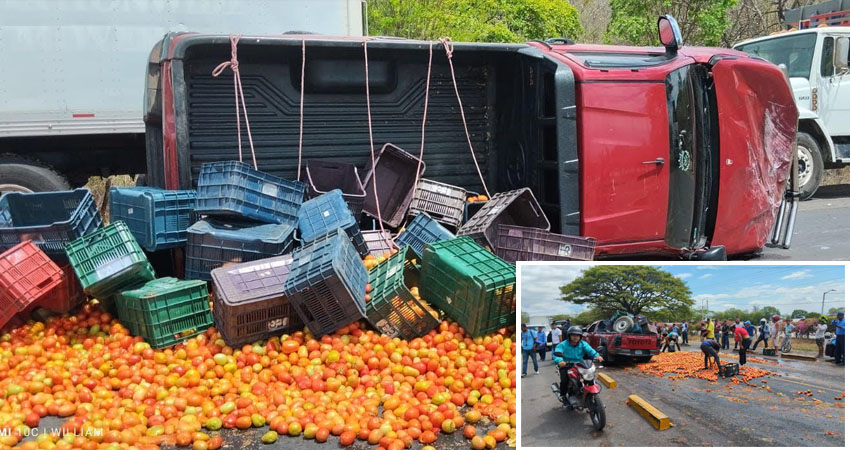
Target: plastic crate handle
<point>44,283</point>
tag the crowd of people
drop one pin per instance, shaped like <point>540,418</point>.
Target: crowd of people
<point>714,337</point>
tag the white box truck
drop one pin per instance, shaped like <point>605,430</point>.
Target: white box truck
<point>73,78</point>
<point>814,53</point>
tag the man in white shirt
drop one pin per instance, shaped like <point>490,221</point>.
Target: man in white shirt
<point>556,335</point>
<point>820,330</point>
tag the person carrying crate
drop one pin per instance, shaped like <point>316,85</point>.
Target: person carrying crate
<point>742,339</point>
<point>709,348</point>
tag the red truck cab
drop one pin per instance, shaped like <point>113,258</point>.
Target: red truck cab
<point>675,151</point>
<point>618,346</point>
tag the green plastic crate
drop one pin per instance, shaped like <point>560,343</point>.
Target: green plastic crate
<point>394,310</point>
<point>166,311</point>
<point>109,260</point>
<point>474,287</point>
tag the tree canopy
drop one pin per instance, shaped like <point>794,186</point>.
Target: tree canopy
<point>474,20</point>
<point>632,289</point>
<point>833,311</point>
<point>703,22</point>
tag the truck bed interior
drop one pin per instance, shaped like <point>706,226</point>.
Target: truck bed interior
<point>510,97</point>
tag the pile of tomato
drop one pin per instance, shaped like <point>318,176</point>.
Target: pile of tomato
<point>115,391</point>
<point>691,365</point>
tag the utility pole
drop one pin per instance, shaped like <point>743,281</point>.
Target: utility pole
<point>823,300</point>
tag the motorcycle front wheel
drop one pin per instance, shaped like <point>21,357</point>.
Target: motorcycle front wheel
<point>596,411</point>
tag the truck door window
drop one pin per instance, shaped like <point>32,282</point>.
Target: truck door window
<point>795,52</point>
<point>826,67</point>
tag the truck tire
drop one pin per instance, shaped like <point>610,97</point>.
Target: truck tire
<point>810,165</point>
<point>623,325</point>
<point>644,359</point>
<point>20,174</point>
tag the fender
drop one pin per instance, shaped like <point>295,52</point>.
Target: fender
<point>809,122</point>
<point>591,389</point>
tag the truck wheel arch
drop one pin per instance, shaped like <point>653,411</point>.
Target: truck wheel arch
<point>809,150</point>
<point>815,130</point>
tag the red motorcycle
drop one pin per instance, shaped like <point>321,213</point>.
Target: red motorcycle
<point>582,391</point>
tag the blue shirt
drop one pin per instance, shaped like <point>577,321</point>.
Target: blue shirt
<point>676,329</point>
<point>574,353</point>
<point>541,337</point>
<point>839,326</point>
<point>751,330</point>
<point>527,340</point>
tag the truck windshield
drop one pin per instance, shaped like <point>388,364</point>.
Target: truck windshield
<point>794,51</point>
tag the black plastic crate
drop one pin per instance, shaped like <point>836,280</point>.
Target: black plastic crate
<point>421,231</point>
<point>517,207</point>
<point>235,189</point>
<point>768,351</point>
<point>396,173</point>
<point>327,284</point>
<point>323,214</point>
<point>442,202</point>
<point>729,370</point>
<point>249,303</point>
<point>212,244</point>
<point>324,176</point>
<point>50,219</point>
<point>532,244</point>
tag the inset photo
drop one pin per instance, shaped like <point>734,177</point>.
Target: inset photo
<point>650,355</point>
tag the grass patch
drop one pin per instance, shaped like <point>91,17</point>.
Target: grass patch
<point>99,187</point>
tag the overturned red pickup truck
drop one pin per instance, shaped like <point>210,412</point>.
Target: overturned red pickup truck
<point>651,151</point>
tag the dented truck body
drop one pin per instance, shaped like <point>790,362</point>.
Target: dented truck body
<point>649,152</point>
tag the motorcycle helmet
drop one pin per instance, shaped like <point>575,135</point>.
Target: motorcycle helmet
<point>823,319</point>
<point>763,321</point>
<point>776,318</point>
<point>574,330</point>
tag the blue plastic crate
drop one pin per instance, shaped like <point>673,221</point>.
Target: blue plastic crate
<point>157,218</point>
<point>421,231</point>
<point>321,215</point>
<point>212,244</point>
<point>49,219</point>
<point>232,188</point>
<point>327,283</point>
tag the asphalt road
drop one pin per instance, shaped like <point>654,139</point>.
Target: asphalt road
<point>822,232</point>
<point>700,418</point>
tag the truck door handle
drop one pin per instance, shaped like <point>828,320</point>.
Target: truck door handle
<point>656,161</point>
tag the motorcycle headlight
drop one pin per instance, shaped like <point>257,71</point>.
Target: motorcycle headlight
<point>587,374</point>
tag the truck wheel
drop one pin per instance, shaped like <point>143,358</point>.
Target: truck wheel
<point>20,174</point>
<point>623,324</point>
<point>810,165</point>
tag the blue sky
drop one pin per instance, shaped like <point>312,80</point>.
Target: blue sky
<point>786,287</point>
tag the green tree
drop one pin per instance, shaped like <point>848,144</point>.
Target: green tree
<point>702,21</point>
<point>589,317</point>
<point>834,311</point>
<point>474,20</point>
<point>798,312</point>
<point>557,317</point>
<point>523,317</point>
<point>632,289</point>
<point>812,315</point>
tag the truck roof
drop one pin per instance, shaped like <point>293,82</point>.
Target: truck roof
<point>820,30</point>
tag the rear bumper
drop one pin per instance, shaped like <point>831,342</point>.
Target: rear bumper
<point>633,352</point>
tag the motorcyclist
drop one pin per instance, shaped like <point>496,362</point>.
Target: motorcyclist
<point>572,350</point>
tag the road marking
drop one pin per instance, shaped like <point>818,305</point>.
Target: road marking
<point>607,381</point>
<point>807,384</point>
<point>658,419</point>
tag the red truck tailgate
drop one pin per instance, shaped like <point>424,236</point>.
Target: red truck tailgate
<point>639,341</point>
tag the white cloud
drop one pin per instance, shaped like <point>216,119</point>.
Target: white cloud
<point>682,276</point>
<point>797,275</point>
<point>540,294</point>
<point>712,267</point>
<point>705,276</point>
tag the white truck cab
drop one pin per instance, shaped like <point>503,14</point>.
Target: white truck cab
<point>816,64</point>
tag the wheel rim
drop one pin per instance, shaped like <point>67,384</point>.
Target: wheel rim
<point>593,408</point>
<point>804,165</point>
<point>10,187</point>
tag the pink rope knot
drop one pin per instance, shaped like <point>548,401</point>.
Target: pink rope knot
<point>238,95</point>
<point>448,45</point>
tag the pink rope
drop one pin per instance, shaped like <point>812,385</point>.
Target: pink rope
<point>372,141</point>
<point>424,116</point>
<point>449,46</point>
<point>238,95</point>
<point>301,117</point>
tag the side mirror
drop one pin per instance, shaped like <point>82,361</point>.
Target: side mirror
<point>839,55</point>
<point>669,34</point>
<point>784,69</point>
